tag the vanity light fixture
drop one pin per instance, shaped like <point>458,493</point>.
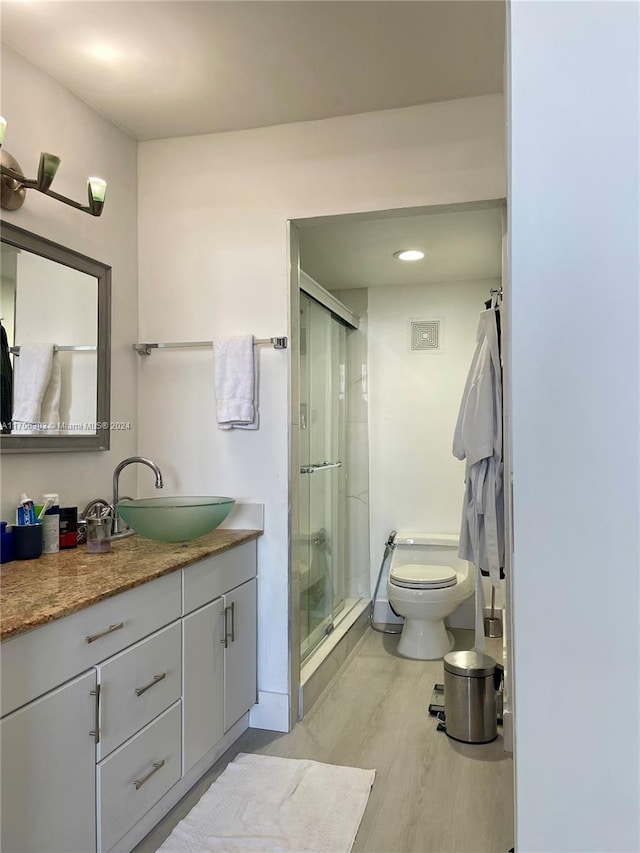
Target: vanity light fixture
<point>14,185</point>
<point>409,255</point>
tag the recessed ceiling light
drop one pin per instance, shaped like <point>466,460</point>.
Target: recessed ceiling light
<point>409,255</point>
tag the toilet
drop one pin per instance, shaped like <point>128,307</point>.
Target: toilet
<point>427,582</point>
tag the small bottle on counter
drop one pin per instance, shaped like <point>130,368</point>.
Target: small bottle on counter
<point>51,524</point>
<point>68,527</point>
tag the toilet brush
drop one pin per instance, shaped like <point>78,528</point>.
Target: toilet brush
<point>492,623</point>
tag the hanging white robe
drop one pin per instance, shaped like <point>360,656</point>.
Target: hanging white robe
<point>478,439</point>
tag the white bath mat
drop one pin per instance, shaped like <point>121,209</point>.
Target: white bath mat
<point>263,804</point>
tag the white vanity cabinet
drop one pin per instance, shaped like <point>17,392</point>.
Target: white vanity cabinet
<point>219,647</point>
<point>48,771</point>
<point>105,711</point>
<point>203,680</point>
<point>219,669</point>
<point>240,676</point>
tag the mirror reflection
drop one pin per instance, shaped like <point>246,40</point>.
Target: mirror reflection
<point>54,305</point>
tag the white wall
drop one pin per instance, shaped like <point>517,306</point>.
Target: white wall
<point>213,246</point>
<point>574,224</point>
<point>416,482</point>
<point>44,116</point>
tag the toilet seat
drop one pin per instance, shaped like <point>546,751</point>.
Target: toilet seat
<point>415,576</point>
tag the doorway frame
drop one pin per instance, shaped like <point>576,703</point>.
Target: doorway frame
<point>294,282</point>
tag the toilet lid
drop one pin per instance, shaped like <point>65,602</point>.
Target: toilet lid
<point>423,577</point>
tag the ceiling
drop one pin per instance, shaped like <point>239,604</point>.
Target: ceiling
<point>163,68</point>
<point>461,243</point>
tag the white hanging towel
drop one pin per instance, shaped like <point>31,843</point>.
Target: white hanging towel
<point>235,382</point>
<point>32,375</point>
<point>478,439</point>
<point>50,410</point>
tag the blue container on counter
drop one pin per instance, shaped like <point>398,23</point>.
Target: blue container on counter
<point>27,541</point>
<point>6,543</point>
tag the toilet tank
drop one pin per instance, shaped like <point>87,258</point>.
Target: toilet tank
<point>439,549</point>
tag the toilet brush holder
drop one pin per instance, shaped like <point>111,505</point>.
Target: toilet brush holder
<point>492,626</point>
<point>493,623</point>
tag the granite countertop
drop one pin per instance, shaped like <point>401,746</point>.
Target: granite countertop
<point>35,592</point>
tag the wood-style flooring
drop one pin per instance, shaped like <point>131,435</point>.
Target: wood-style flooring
<point>431,794</point>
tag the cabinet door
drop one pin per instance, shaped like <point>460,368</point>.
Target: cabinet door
<point>240,666</point>
<point>48,772</point>
<point>203,681</point>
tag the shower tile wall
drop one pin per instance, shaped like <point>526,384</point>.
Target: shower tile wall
<point>357,572</point>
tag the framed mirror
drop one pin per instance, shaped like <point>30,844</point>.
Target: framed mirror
<point>55,306</point>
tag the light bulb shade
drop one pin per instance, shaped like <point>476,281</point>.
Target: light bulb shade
<point>47,169</point>
<point>97,188</point>
<point>3,128</point>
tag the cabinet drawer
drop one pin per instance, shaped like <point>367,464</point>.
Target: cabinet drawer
<point>137,684</point>
<point>212,577</point>
<point>40,660</point>
<point>137,775</point>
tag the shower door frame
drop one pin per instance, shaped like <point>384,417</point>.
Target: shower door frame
<point>323,462</point>
<point>335,307</point>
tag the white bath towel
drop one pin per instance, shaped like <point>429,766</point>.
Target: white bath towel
<point>32,375</point>
<point>235,379</point>
<point>50,410</point>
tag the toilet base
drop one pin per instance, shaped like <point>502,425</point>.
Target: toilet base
<point>422,640</point>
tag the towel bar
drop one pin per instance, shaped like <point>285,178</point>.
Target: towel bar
<point>147,348</point>
<point>56,348</point>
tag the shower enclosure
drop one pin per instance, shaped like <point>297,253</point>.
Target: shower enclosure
<point>323,472</point>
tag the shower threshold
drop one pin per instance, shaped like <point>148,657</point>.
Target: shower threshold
<point>323,663</point>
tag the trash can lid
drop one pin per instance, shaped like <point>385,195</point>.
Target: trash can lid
<point>471,664</point>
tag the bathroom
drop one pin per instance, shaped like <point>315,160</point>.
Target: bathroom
<point>405,367</point>
<point>195,230</point>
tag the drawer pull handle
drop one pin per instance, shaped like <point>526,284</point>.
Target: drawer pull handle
<point>156,766</point>
<point>95,734</point>
<point>156,679</point>
<point>224,640</point>
<point>93,637</point>
<point>229,634</point>
<point>225,627</point>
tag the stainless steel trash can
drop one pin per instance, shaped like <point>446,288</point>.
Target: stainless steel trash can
<point>470,696</point>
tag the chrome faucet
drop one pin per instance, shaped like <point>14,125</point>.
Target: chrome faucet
<point>116,476</point>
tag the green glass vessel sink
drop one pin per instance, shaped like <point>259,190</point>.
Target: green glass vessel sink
<point>175,519</point>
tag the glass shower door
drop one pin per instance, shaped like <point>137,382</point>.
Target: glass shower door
<point>322,472</point>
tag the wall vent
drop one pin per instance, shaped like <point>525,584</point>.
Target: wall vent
<point>425,335</point>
